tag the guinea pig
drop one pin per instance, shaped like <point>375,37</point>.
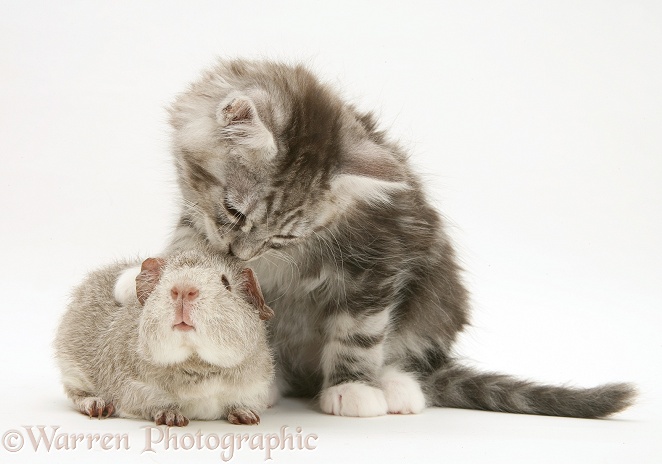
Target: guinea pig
<point>193,345</point>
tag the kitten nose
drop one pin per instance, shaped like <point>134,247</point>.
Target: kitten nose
<point>185,292</point>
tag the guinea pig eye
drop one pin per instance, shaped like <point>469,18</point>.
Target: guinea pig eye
<point>226,282</point>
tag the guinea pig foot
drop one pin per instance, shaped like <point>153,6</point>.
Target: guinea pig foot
<point>243,416</point>
<point>171,418</point>
<point>97,407</point>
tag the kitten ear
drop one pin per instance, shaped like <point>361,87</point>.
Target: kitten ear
<point>369,172</point>
<point>150,274</point>
<point>235,110</point>
<point>241,124</point>
<point>253,294</point>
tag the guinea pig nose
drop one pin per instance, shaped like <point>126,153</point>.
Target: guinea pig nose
<point>187,293</point>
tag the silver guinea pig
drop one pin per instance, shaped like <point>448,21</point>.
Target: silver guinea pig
<point>193,345</point>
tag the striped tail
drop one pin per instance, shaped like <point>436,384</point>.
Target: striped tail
<point>457,386</point>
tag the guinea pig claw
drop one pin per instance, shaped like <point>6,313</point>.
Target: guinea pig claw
<point>110,409</point>
<point>97,407</point>
<point>242,416</point>
<point>171,418</point>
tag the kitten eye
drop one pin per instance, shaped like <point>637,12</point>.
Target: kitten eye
<point>239,217</point>
<point>286,237</point>
<point>226,282</point>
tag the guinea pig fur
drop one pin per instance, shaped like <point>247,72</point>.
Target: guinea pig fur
<point>192,346</point>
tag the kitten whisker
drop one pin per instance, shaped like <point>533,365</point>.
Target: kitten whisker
<point>292,276</point>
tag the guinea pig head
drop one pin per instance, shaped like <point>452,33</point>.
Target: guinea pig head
<point>200,305</point>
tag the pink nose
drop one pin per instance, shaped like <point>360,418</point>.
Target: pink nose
<point>184,297</point>
<point>186,293</point>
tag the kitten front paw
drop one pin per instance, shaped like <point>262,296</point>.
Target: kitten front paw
<point>125,287</point>
<point>96,407</point>
<point>171,418</point>
<point>353,399</point>
<point>402,392</point>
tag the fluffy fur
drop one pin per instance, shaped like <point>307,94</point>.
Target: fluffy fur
<point>130,361</point>
<point>276,169</point>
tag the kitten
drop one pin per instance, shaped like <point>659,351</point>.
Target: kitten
<point>277,170</point>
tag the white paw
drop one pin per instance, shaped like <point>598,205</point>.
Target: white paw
<point>125,287</point>
<point>353,399</point>
<point>402,392</point>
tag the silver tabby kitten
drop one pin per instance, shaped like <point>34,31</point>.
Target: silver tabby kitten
<point>278,171</point>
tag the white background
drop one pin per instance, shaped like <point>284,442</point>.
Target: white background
<point>538,129</point>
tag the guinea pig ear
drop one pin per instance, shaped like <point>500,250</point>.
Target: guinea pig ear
<point>150,274</point>
<point>252,293</point>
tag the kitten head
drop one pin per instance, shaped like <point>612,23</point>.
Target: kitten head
<point>267,156</point>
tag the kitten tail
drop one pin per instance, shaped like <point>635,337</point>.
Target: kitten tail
<point>461,387</point>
